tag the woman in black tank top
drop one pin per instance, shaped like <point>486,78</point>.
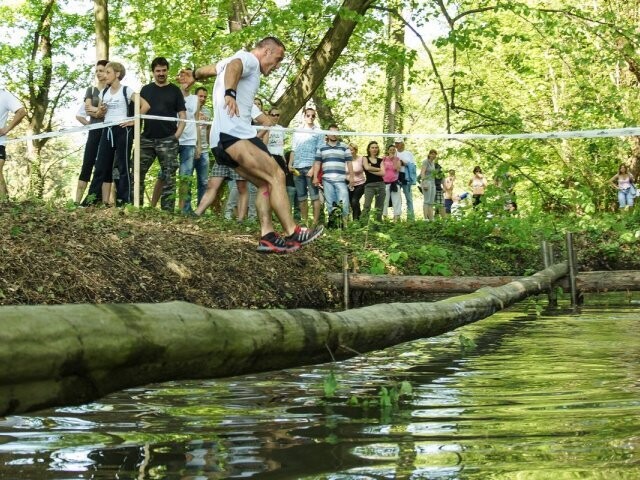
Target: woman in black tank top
<point>374,186</point>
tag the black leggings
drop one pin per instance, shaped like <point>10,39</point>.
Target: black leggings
<point>90,153</point>
<point>354,200</point>
<point>115,144</point>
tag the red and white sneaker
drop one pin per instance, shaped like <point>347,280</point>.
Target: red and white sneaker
<point>302,236</point>
<point>273,243</point>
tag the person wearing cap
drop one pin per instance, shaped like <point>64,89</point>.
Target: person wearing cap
<point>406,182</point>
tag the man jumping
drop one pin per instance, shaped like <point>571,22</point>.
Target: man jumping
<point>236,144</point>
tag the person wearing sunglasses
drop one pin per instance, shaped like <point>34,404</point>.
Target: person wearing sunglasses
<point>305,144</point>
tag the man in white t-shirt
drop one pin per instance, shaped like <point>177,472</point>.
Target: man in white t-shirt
<point>406,158</point>
<point>8,104</point>
<point>236,144</point>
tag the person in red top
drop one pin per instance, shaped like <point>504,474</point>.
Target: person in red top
<point>391,166</point>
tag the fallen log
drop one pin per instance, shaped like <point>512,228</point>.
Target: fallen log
<point>602,281</point>
<point>71,354</point>
<point>418,283</point>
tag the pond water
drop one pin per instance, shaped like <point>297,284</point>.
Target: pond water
<point>553,396</point>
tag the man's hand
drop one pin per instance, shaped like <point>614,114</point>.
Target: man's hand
<point>231,106</point>
<point>186,79</point>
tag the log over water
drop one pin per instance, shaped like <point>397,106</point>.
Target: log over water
<point>71,354</point>
<point>419,283</point>
<point>604,281</point>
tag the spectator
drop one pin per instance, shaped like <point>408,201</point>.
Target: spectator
<point>356,191</point>
<point>334,158</point>
<point>116,141</point>
<point>374,185</point>
<point>201,162</point>
<point>8,104</point>
<point>305,144</point>
<point>428,184</point>
<point>391,166</point>
<point>274,139</point>
<point>439,200</point>
<point>91,102</point>
<point>447,191</point>
<point>623,182</point>
<point>478,185</point>
<point>407,181</point>
<point>159,138</point>
<point>187,142</point>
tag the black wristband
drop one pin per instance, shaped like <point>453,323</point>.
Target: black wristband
<point>230,92</point>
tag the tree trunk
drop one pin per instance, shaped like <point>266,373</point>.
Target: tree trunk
<point>70,354</point>
<point>101,15</point>
<point>394,75</point>
<point>322,59</point>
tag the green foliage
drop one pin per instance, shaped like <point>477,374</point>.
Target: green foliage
<point>466,343</point>
<point>330,385</point>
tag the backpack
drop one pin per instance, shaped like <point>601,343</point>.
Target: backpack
<point>410,173</point>
<point>130,105</point>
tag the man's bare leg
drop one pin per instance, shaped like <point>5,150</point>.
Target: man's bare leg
<point>304,211</point>
<point>259,167</point>
<point>3,184</point>
<point>213,185</point>
<point>82,186</point>
<point>316,211</point>
<point>243,199</point>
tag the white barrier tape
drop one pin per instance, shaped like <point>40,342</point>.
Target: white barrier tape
<point>66,131</point>
<point>599,133</point>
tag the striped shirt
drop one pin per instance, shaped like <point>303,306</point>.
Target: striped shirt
<point>334,160</point>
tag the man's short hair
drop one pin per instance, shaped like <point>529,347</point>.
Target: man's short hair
<point>333,125</point>
<point>201,88</point>
<point>159,61</point>
<point>304,112</point>
<point>102,63</point>
<point>118,68</point>
<point>270,41</point>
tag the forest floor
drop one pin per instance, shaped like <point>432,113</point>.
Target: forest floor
<point>51,254</point>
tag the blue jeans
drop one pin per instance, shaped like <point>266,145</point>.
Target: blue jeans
<point>408,195</point>
<point>188,163</point>
<point>336,192</point>
<point>304,184</point>
<point>625,197</point>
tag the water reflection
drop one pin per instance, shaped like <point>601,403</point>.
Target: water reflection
<point>549,397</point>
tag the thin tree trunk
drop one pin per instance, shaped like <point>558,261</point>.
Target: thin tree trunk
<point>101,15</point>
<point>395,74</point>
<point>70,354</point>
<point>322,59</point>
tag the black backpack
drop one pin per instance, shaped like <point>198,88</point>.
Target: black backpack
<point>130,105</point>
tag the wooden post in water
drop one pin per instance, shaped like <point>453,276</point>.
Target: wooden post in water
<point>136,153</point>
<point>547,258</point>
<point>345,280</point>
<point>573,269</point>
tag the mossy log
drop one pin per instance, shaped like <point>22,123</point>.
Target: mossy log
<point>602,281</point>
<point>605,281</point>
<point>71,354</point>
<point>419,283</point>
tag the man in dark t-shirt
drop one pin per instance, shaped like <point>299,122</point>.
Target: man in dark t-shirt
<point>159,138</point>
